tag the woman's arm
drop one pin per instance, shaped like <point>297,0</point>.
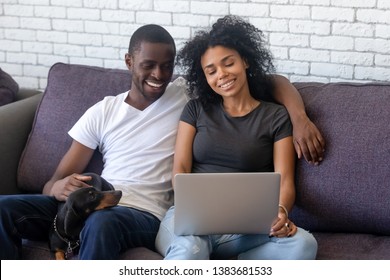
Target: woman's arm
<point>284,163</point>
<point>308,140</point>
<point>182,160</point>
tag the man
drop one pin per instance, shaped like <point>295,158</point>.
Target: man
<point>135,132</point>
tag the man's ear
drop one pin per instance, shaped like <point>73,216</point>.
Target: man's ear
<point>128,60</point>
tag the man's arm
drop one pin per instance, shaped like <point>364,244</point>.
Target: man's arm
<point>67,178</point>
<point>308,140</point>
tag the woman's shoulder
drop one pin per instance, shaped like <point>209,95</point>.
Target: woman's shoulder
<point>273,106</point>
<point>194,102</point>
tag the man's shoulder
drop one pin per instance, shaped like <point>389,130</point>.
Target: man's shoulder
<point>179,82</point>
<point>111,99</point>
<point>119,96</point>
<point>178,87</point>
<point>179,79</point>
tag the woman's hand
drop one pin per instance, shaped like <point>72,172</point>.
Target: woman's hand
<point>283,227</point>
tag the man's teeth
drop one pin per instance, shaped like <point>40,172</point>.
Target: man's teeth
<point>154,84</point>
<point>227,84</point>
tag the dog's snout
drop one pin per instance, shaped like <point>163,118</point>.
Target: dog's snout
<point>110,199</point>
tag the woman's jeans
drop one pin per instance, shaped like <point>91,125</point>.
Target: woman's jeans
<point>106,233</point>
<point>301,246</point>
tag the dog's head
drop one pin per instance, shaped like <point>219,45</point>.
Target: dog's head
<point>82,202</point>
<point>86,200</point>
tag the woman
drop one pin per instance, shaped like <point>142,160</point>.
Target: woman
<point>230,126</point>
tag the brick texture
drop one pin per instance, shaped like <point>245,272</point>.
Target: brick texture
<point>311,40</point>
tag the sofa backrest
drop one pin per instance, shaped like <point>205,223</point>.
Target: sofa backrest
<point>70,91</point>
<point>350,190</point>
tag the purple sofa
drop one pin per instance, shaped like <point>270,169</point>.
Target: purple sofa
<point>343,201</point>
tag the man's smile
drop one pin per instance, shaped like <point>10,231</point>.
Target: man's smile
<point>154,84</point>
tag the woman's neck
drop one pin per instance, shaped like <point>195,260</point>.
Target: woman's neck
<point>239,107</point>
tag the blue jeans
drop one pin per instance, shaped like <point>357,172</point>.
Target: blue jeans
<point>250,247</point>
<point>106,233</point>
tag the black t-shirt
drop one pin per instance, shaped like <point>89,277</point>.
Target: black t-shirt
<point>235,144</point>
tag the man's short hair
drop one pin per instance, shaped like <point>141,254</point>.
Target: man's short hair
<point>151,33</point>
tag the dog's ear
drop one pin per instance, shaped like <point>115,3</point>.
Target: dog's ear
<point>69,220</point>
<point>98,182</point>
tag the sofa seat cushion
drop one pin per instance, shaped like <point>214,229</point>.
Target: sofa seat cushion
<point>350,246</point>
<point>39,250</point>
<point>349,191</point>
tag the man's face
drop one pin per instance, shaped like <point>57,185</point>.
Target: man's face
<point>152,67</point>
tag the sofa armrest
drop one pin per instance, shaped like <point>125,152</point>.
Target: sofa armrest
<point>24,93</point>
<point>15,125</point>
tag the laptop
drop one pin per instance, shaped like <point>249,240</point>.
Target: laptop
<point>225,203</point>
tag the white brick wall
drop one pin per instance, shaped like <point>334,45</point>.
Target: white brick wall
<point>312,40</point>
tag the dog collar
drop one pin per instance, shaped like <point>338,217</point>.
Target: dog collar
<point>72,244</point>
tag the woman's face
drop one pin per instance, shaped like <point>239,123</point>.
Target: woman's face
<point>225,72</point>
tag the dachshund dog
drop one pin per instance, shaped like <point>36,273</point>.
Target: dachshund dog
<point>71,215</point>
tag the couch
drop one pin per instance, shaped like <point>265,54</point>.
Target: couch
<point>344,201</point>
<point>8,88</point>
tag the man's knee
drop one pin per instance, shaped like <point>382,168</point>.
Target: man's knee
<point>6,202</point>
<point>100,218</point>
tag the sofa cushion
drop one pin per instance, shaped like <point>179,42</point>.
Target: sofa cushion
<point>39,250</point>
<point>349,191</point>
<point>352,246</point>
<point>8,88</point>
<point>70,91</point>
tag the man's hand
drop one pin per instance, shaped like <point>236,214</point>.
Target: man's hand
<point>63,188</point>
<point>308,141</point>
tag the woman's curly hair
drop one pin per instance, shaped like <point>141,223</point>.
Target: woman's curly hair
<point>234,33</point>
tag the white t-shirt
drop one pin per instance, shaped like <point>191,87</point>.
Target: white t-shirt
<point>137,146</point>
